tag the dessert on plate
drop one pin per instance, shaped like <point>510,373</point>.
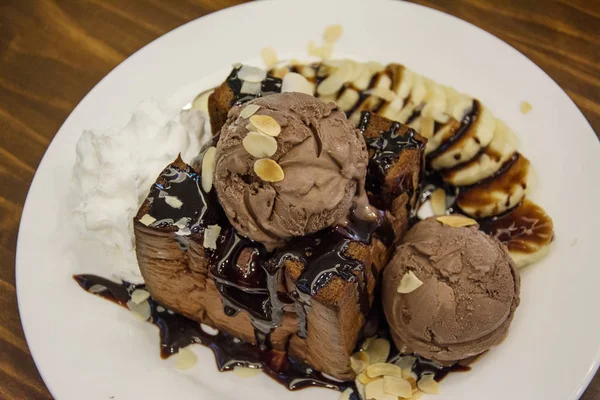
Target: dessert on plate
<point>295,241</point>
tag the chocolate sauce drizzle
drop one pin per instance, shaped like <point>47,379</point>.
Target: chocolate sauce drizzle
<point>268,86</point>
<point>385,150</point>
<point>468,120</point>
<point>196,210</point>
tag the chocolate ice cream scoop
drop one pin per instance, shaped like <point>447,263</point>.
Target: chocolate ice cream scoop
<point>469,292</point>
<point>323,158</point>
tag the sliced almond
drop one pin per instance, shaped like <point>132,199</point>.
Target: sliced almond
<point>456,221</point>
<point>417,395</point>
<point>381,369</point>
<point>330,85</point>
<point>268,170</point>
<point>185,359</point>
<point>413,382</point>
<point>251,74</point>
<point>397,386</point>
<point>360,388</point>
<point>249,110</point>
<point>365,379</point>
<point>345,395</point>
<point>173,201</point>
<point>251,88</point>
<point>269,56</point>
<point>525,107</point>
<point>438,202</point>
<point>259,145</point>
<point>427,384</point>
<point>141,310</point>
<point>367,342</point>
<point>139,295</point>
<point>147,219</point>
<point>359,361</point>
<point>266,124</point>
<point>245,372</point>
<point>211,234</point>
<point>378,350</point>
<point>208,168</point>
<point>409,283</point>
<point>332,33</point>
<point>374,390</point>
<point>407,373</point>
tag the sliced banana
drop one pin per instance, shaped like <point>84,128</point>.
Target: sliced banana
<point>527,232</point>
<point>488,162</point>
<point>476,136</point>
<point>498,194</point>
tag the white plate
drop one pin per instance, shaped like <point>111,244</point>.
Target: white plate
<point>87,348</point>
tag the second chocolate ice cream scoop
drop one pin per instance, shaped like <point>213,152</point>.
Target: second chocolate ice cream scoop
<point>466,298</point>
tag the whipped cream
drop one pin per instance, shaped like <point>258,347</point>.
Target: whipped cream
<point>115,169</point>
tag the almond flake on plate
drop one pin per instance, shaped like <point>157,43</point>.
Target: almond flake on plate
<point>185,359</point>
<point>345,395</point>
<point>269,56</point>
<point>332,33</point>
<point>428,384</point>
<point>397,386</point>
<point>359,361</point>
<point>409,283</point>
<point>374,390</point>
<point>139,295</point>
<point>383,369</point>
<point>245,372</point>
<point>378,350</point>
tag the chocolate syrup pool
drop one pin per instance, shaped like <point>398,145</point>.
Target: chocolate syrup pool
<point>177,332</point>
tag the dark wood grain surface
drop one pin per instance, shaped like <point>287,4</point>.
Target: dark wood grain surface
<point>52,52</point>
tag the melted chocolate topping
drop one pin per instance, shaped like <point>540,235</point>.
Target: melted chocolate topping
<point>197,208</point>
<point>385,151</point>
<point>468,120</point>
<point>268,86</point>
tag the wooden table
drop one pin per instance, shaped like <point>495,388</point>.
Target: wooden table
<point>53,52</point>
